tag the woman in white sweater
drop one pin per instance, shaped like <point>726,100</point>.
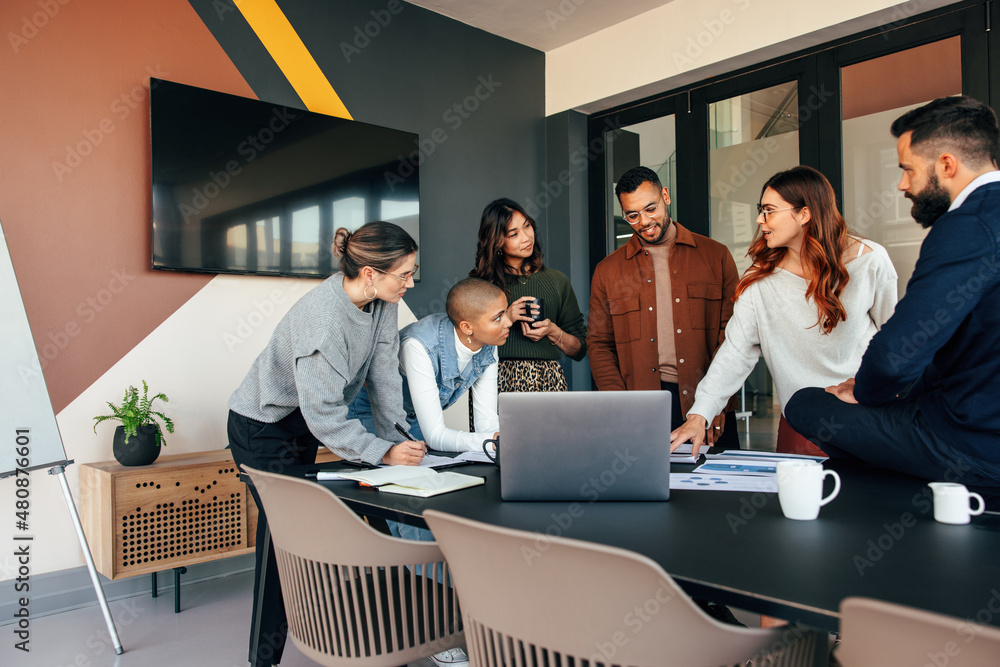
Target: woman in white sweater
<point>810,303</point>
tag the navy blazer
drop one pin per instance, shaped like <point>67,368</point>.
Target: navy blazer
<point>944,337</point>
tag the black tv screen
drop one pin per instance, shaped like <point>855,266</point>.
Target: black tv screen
<point>244,186</point>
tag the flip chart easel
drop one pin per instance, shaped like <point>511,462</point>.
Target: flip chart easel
<point>29,435</point>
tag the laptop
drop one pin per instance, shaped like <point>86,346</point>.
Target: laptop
<point>585,446</point>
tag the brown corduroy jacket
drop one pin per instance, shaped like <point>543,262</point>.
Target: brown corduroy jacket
<point>621,330</point>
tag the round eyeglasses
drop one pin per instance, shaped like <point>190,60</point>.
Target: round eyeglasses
<point>761,211</point>
<point>401,278</point>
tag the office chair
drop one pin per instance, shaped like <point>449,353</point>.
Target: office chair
<point>351,594</point>
<point>873,632</point>
<point>530,599</point>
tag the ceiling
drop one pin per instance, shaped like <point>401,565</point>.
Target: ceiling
<point>541,24</point>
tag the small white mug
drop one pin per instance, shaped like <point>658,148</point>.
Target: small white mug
<point>800,488</point>
<point>951,503</point>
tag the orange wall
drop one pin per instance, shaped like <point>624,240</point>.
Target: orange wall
<point>74,170</point>
<point>900,79</point>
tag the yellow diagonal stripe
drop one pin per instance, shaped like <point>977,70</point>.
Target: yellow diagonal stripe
<point>296,63</point>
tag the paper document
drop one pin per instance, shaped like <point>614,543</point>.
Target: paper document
<point>738,466</point>
<point>683,454</point>
<point>434,460</point>
<point>429,461</point>
<point>378,476</point>
<point>690,481</point>
<point>472,457</point>
<point>748,462</point>
<point>737,470</point>
<point>763,456</point>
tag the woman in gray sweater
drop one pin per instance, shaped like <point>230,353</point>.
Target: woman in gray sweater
<point>341,335</point>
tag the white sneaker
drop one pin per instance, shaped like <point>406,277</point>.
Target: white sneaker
<point>453,657</point>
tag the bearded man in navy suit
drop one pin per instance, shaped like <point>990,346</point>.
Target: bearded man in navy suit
<point>926,400</point>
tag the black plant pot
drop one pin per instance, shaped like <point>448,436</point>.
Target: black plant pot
<point>141,449</point>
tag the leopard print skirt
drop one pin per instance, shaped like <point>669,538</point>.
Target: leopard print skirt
<point>531,375</point>
<point>526,375</point>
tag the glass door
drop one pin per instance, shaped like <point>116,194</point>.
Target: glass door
<point>652,144</point>
<point>751,137</point>
<point>874,93</point>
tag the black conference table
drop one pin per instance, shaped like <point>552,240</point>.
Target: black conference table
<point>877,539</point>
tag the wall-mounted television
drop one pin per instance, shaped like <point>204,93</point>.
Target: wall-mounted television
<point>244,186</point>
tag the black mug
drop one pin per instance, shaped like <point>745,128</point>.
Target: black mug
<point>495,457</point>
<point>530,313</point>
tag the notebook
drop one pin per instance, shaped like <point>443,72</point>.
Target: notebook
<point>406,480</point>
<point>585,446</point>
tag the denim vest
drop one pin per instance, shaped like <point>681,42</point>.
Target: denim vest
<point>436,334</point>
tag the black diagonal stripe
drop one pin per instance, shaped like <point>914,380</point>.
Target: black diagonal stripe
<point>245,49</point>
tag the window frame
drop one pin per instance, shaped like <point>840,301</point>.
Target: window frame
<point>818,71</point>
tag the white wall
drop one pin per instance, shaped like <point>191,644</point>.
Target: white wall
<point>685,41</point>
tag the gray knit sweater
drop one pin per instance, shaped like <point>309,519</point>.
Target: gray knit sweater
<point>318,357</point>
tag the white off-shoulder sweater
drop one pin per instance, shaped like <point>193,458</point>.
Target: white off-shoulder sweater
<point>773,318</point>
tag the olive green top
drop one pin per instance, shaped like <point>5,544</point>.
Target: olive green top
<point>561,306</point>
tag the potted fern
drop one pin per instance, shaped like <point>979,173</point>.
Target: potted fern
<point>137,441</point>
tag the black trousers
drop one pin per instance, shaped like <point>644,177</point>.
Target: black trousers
<point>269,447</point>
<point>893,436</point>
<point>730,435</point>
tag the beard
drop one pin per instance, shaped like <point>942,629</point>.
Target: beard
<point>930,203</point>
<point>664,228</point>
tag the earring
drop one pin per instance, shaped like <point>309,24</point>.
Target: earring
<point>366,292</point>
<point>469,338</point>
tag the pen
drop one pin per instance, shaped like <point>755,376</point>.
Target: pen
<point>453,465</point>
<point>403,432</point>
<point>406,434</point>
<point>357,464</point>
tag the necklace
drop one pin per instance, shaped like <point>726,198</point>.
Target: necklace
<point>522,278</point>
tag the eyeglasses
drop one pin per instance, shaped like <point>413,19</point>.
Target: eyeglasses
<point>405,278</point>
<point>635,217</point>
<point>761,211</point>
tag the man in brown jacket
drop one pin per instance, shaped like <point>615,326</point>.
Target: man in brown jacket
<point>659,305</point>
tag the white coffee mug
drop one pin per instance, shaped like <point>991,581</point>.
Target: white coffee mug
<point>952,503</point>
<point>800,488</point>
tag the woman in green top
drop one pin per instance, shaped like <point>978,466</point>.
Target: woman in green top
<point>510,257</point>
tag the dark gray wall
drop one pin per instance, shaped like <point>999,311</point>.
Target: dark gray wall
<point>476,100</point>
<point>562,201</point>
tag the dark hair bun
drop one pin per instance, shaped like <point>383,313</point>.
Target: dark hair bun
<point>340,241</point>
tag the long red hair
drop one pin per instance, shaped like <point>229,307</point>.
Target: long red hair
<point>823,249</point>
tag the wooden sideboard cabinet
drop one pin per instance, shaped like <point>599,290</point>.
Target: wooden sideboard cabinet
<point>181,510</point>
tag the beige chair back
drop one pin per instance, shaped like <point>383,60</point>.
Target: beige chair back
<point>351,594</point>
<point>531,599</point>
<point>873,632</point>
